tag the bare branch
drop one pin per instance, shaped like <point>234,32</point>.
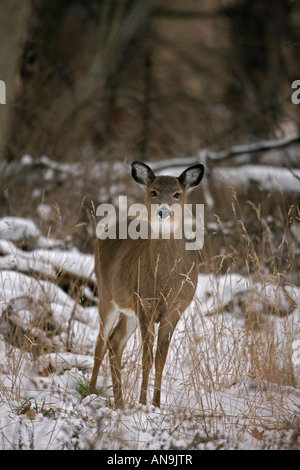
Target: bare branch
<point>263,145</point>
<point>209,157</point>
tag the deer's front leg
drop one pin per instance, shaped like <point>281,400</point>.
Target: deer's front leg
<point>165,332</point>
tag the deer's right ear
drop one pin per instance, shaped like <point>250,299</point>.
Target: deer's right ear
<point>142,173</point>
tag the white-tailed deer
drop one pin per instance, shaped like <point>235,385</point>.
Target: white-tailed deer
<point>145,281</point>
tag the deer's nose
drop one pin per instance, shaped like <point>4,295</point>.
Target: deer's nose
<point>163,212</point>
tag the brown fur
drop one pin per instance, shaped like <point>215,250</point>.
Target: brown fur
<point>155,278</point>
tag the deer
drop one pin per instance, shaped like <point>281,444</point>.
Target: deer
<point>145,281</point>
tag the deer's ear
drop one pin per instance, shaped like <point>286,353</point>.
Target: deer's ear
<point>142,173</point>
<point>192,176</point>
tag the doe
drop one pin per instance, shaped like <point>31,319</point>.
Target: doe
<point>145,281</point>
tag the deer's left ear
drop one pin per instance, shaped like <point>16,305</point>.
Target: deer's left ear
<point>192,176</point>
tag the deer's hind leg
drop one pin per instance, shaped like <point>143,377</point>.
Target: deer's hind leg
<point>117,342</point>
<point>108,316</point>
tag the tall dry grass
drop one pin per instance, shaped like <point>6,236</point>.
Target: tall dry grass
<point>230,363</point>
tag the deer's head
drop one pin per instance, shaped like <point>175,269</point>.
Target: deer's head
<point>166,195</point>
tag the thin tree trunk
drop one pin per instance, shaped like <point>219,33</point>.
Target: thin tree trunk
<point>13,20</point>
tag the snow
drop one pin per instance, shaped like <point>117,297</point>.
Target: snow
<point>259,176</point>
<point>47,261</point>
<point>16,228</point>
<point>212,393</point>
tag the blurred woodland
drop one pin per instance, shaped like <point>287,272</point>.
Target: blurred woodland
<point>94,82</point>
<point>146,79</point>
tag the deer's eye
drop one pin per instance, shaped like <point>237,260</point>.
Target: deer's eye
<point>153,193</point>
<point>177,195</point>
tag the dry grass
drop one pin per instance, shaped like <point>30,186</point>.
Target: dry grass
<point>234,365</point>
<point>229,373</point>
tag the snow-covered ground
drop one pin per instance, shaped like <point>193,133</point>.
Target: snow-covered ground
<point>226,385</point>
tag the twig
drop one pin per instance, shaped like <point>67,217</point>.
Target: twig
<point>293,173</point>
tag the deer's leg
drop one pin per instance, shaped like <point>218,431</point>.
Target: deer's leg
<point>106,324</point>
<point>147,331</point>
<point>165,332</point>
<point>117,341</point>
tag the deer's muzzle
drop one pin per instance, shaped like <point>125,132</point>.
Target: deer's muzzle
<point>163,212</point>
